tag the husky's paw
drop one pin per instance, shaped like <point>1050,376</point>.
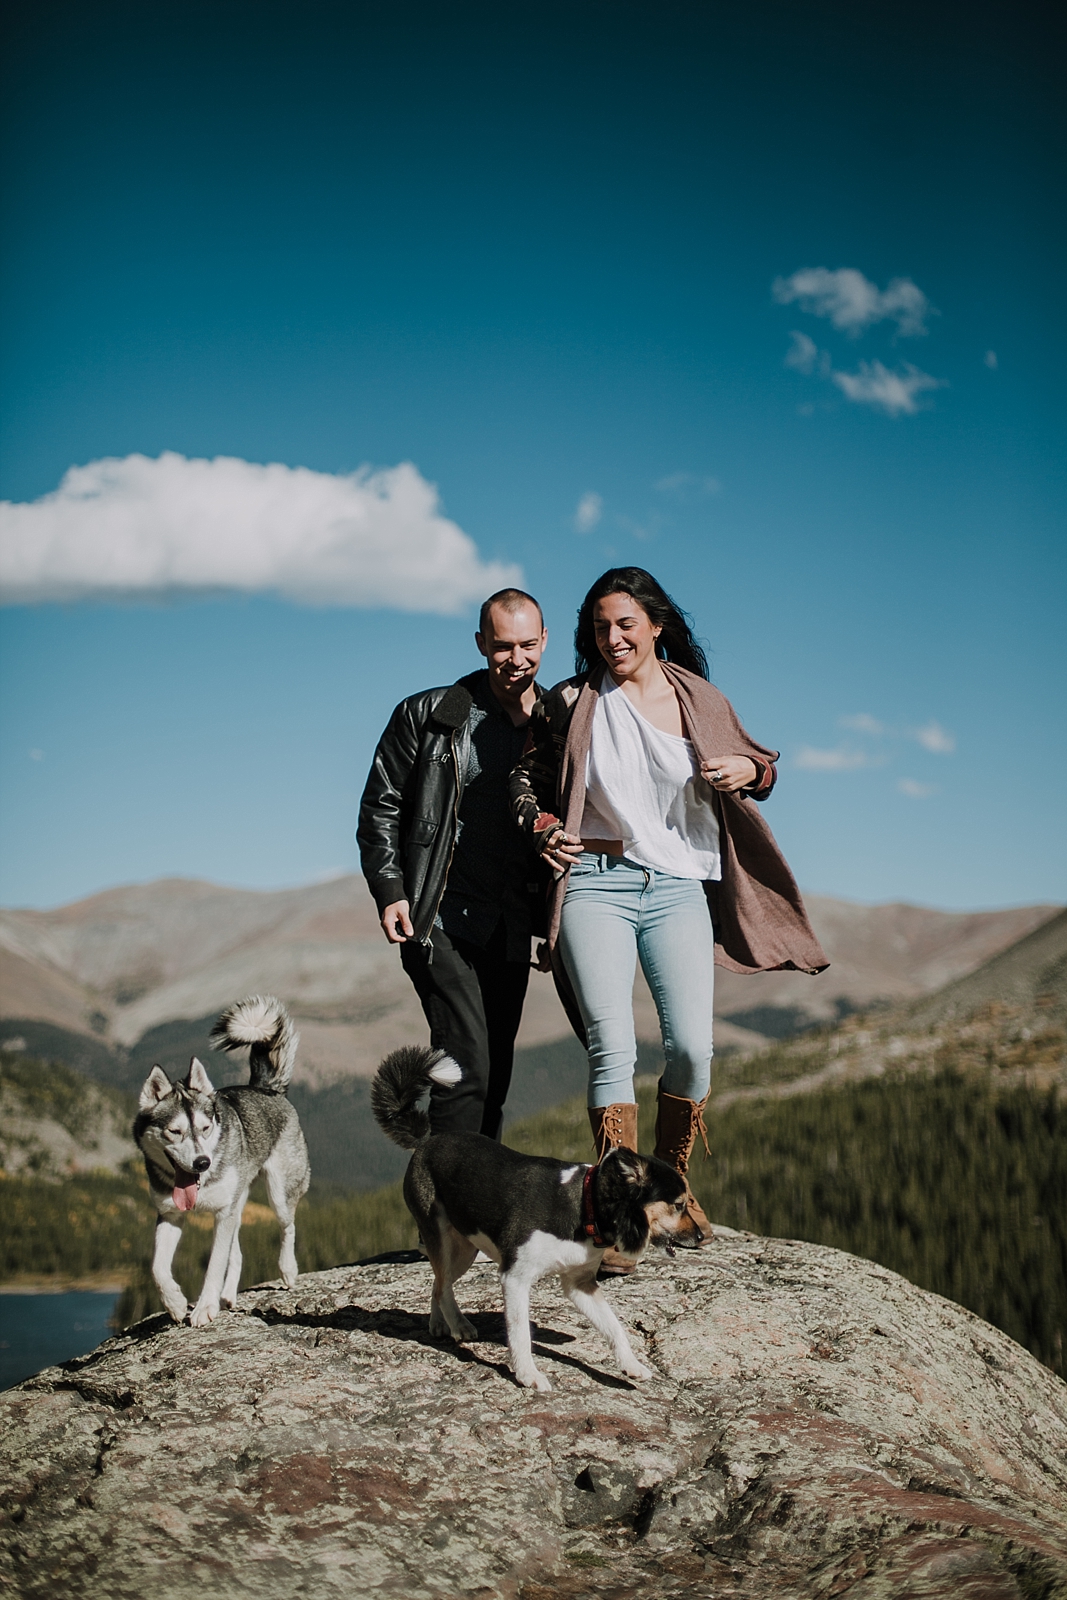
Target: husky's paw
<point>439,1328</point>
<point>465,1331</point>
<point>534,1380</point>
<point>289,1276</point>
<point>177,1306</point>
<point>635,1369</point>
<point>203,1312</point>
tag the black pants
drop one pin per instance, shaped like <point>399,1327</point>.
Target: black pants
<point>473,1002</point>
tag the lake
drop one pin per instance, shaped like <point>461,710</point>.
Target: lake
<point>38,1330</point>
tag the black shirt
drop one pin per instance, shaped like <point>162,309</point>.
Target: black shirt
<point>491,860</point>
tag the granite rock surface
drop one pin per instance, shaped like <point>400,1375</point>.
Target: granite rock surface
<point>817,1426</point>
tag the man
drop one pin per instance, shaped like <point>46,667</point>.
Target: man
<point>448,869</point>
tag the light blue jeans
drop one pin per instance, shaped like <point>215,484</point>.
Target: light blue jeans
<point>614,912</point>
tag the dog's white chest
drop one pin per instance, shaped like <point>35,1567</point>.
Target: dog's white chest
<point>543,1252</point>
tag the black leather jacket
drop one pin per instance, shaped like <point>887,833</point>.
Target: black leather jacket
<point>407,816</point>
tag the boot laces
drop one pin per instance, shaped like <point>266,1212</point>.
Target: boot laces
<point>611,1132</point>
<point>679,1151</point>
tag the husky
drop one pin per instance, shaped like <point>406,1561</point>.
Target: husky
<point>529,1214</point>
<point>204,1147</point>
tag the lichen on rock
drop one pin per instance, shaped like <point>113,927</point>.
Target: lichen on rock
<point>817,1426</point>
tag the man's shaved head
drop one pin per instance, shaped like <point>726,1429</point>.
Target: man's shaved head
<point>511,637</point>
<point>507,600</point>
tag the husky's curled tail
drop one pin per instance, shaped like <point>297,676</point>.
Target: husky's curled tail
<point>400,1083</point>
<point>262,1022</point>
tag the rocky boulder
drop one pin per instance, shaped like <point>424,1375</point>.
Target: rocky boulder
<point>816,1426</point>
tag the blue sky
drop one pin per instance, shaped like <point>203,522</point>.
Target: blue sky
<point>531,250</point>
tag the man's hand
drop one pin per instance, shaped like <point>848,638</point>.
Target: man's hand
<point>396,923</point>
<point>730,773</point>
<point>542,958</point>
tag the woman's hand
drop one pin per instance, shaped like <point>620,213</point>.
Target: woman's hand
<point>562,850</point>
<point>730,773</point>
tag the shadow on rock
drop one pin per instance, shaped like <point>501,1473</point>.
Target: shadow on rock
<point>411,1327</point>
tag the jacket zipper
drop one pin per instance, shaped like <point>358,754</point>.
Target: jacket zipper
<point>455,828</point>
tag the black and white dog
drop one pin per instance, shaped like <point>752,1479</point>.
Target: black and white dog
<point>531,1214</point>
<point>203,1148</point>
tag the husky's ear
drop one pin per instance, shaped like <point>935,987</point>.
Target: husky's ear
<point>633,1167</point>
<point>157,1086</point>
<point>197,1079</point>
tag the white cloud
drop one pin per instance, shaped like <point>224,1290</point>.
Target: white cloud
<point>852,302</point>
<point>36,755</point>
<point>915,790</point>
<point>863,722</point>
<point>891,392</point>
<point>688,482</point>
<point>802,353</point>
<point>588,512</point>
<point>833,760</point>
<point>136,527</point>
<point>990,359</point>
<point>638,530</point>
<point>934,738</point>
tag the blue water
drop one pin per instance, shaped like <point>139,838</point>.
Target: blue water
<point>37,1330</point>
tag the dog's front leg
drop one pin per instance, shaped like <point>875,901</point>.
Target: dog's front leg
<point>517,1316</point>
<point>233,1272</point>
<point>168,1238</point>
<point>585,1296</point>
<point>226,1226</point>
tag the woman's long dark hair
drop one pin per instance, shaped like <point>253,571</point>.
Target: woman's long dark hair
<point>675,643</point>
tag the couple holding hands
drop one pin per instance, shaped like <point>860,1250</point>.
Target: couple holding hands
<point>634,784</point>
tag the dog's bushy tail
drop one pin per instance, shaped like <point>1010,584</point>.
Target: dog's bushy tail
<point>399,1084</point>
<point>262,1022</point>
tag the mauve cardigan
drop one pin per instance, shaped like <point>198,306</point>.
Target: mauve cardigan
<point>758,915</point>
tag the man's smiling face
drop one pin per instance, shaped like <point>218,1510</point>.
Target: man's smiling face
<point>512,645</point>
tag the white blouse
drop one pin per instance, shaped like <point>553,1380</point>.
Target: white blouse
<point>644,787</point>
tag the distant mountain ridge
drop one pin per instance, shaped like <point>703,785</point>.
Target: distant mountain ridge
<point>1029,978</point>
<point>1007,1017</point>
<point>55,1122</point>
<point>112,967</point>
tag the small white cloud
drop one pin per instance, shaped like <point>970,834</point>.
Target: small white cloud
<point>863,722</point>
<point>916,790</point>
<point>806,410</point>
<point>137,527</point>
<point>688,482</point>
<point>839,760</point>
<point>894,393</point>
<point>853,303</point>
<point>935,738</point>
<point>588,512</point>
<point>802,353</point>
<point>990,359</point>
<point>641,530</point>
<point>36,755</point>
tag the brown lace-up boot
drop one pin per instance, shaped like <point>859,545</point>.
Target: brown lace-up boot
<point>678,1121</point>
<point>613,1126</point>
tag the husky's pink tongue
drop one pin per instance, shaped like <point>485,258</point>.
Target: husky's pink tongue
<point>184,1194</point>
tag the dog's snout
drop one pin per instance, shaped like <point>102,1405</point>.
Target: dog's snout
<point>201,1163</point>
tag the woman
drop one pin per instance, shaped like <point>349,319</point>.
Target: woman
<point>637,786</point>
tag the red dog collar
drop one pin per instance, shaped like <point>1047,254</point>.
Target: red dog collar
<point>589,1226</point>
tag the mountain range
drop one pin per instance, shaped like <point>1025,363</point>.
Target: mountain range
<point>116,967</point>
<point>113,983</point>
